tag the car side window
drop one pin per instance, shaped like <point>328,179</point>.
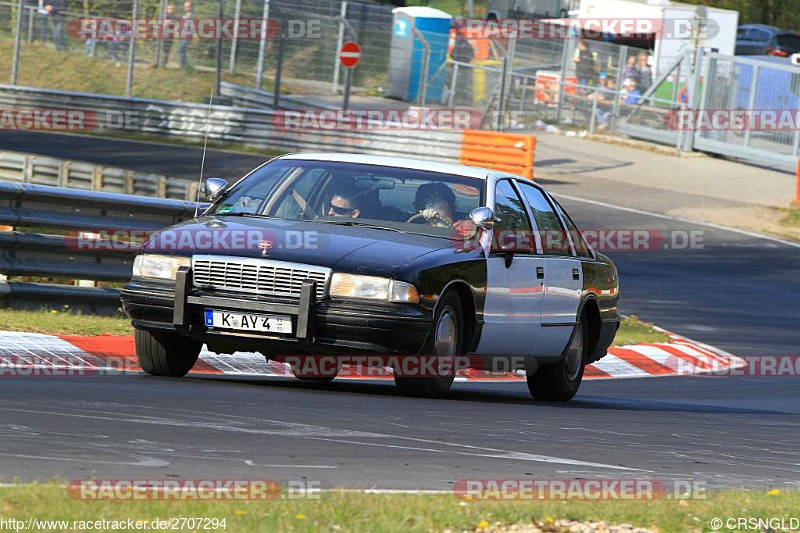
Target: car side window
<point>553,236</point>
<point>513,231</point>
<point>581,248</point>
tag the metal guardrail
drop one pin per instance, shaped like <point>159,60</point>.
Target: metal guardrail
<point>252,127</point>
<point>41,170</point>
<point>73,211</point>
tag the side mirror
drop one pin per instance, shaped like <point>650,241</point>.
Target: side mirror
<point>483,217</point>
<point>214,187</point>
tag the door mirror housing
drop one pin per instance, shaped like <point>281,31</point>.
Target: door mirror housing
<point>483,217</point>
<point>214,187</point>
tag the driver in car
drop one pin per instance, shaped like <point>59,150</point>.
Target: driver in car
<point>436,203</point>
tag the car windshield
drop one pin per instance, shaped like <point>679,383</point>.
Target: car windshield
<point>752,34</point>
<point>414,201</point>
<point>788,41</point>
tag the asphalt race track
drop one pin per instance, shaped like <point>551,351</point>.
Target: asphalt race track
<point>739,293</point>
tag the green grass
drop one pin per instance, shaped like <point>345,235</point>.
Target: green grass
<point>356,511</point>
<point>42,66</point>
<point>634,331</point>
<point>792,218</point>
<point>63,322</point>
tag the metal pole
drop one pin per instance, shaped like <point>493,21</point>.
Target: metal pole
<point>564,63</point>
<point>262,44</point>
<point>752,100</point>
<point>452,94</point>
<point>131,52</point>
<point>218,84</point>
<point>622,61</point>
<point>346,102</point>
<point>30,25</point>
<point>504,82</point>
<point>17,43</point>
<point>234,44</point>
<point>162,14</point>
<point>694,96</point>
<point>276,94</point>
<point>594,110</point>
<point>423,75</point>
<point>339,43</point>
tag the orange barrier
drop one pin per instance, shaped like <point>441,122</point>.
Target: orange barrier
<point>508,152</point>
<point>797,190</point>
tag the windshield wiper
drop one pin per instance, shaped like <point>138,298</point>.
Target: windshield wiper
<point>251,215</point>
<point>360,225</point>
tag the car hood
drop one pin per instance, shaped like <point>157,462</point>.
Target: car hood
<point>350,249</point>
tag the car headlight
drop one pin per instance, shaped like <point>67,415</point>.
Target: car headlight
<point>372,288</point>
<point>159,266</point>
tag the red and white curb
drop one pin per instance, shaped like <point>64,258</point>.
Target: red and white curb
<point>681,356</point>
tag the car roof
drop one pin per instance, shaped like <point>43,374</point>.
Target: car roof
<point>396,162</point>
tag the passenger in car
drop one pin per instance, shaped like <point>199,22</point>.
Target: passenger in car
<point>346,202</point>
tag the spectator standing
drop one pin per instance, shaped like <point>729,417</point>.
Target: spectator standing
<point>630,72</point>
<point>167,44</point>
<point>644,78</point>
<point>54,9</point>
<point>584,67</point>
<point>463,52</point>
<point>188,13</point>
<point>44,19</point>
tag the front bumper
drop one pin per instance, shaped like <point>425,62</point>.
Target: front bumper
<point>319,326</point>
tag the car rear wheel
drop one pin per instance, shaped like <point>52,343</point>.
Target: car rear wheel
<point>166,354</point>
<point>560,382</point>
<point>444,344</point>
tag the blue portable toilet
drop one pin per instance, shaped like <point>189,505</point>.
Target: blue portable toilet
<point>407,51</point>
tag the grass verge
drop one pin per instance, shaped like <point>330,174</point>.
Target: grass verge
<point>634,331</point>
<point>65,322</point>
<point>357,511</point>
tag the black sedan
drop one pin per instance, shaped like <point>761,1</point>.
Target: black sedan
<point>340,259</point>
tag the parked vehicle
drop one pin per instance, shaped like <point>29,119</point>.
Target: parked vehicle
<point>409,257</point>
<point>753,39</point>
<point>784,45</point>
<point>503,9</point>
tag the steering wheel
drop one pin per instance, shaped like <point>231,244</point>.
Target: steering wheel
<point>418,216</point>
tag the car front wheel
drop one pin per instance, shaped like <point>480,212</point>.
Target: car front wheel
<point>166,354</point>
<point>560,382</point>
<point>443,344</point>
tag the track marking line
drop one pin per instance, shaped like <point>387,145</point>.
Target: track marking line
<point>681,219</point>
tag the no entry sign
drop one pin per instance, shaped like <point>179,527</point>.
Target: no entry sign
<point>349,54</point>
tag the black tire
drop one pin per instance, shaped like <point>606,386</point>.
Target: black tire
<point>166,354</point>
<point>316,377</point>
<point>436,386</point>
<point>560,382</point>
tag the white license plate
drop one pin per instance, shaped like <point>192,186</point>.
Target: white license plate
<point>248,322</point>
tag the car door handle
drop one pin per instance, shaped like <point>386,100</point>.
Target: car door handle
<point>539,272</point>
<point>576,274</point>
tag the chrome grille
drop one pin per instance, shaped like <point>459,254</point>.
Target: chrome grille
<point>257,276</point>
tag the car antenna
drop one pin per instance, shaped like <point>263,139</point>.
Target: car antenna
<point>205,148</point>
